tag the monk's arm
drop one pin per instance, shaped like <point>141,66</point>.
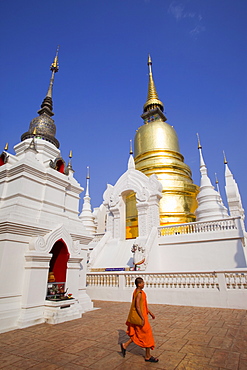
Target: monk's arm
<point>151,314</point>
<point>138,307</point>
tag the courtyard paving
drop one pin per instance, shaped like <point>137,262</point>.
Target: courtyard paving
<point>186,338</point>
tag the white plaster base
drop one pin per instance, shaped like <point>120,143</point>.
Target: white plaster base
<point>61,311</point>
<point>9,313</point>
<point>30,316</point>
<point>85,301</point>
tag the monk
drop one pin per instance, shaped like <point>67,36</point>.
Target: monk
<point>140,334</point>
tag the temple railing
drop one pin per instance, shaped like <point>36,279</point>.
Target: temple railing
<point>102,279</point>
<point>179,280</point>
<point>198,227</point>
<point>226,289</point>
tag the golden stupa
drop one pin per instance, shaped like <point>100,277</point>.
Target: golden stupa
<point>157,152</point>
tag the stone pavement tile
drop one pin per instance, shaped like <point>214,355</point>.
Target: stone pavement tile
<point>225,359</point>
<point>128,365</point>
<point>177,333</point>
<point>198,326</point>
<point>110,361</point>
<point>24,348</point>
<point>198,337</point>
<point>159,330</point>
<point>43,329</point>
<point>78,346</point>
<point>45,366</point>
<point>7,359</point>
<point>160,340</point>
<point>71,366</point>
<point>232,362</point>
<point>51,356</point>
<point>242,362</point>
<point>242,333</point>
<point>170,360</point>
<point>139,353</point>
<point>90,355</point>
<point>232,333</point>
<point>180,324</point>
<point>23,364</point>
<point>221,342</point>
<point>173,344</point>
<point>240,345</point>
<point>112,345</point>
<point>194,362</point>
<point>220,332</point>
<point>215,323</point>
<point>4,346</point>
<point>197,350</point>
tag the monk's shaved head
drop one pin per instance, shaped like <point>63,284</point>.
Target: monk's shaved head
<point>138,281</point>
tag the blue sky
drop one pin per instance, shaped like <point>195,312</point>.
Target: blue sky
<point>199,58</point>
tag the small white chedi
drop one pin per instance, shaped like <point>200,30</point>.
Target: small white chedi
<point>41,234</point>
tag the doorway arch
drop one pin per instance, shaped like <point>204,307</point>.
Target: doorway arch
<point>58,262</point>
<point>131,215</point>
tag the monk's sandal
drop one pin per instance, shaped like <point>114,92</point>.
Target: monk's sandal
<point>152,359</point>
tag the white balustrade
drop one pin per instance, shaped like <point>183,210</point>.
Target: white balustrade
<point>236,281</point>
<point>184,280</point>
<point>102,280</point>
<point>198,227</point>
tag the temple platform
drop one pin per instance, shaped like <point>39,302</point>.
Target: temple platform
<point>186,338</point>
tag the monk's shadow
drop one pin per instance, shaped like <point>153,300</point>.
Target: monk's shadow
<point>132,348</point>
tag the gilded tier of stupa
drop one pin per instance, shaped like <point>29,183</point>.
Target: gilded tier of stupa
<point>156,151</point>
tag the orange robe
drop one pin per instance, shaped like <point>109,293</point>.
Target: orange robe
<point>141,335</point>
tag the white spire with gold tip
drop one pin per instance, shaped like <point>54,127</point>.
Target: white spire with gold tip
<point>131,162</point>
<point>86,214</point>
<point>69,167</point>
<point>209,200</point>
<point>232,193</point>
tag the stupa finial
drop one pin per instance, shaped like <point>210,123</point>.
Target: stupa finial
<point>225,160</point>
<point>198,140</point>
<point>152,98</point>
<point>44,126</point>
<point>131,149</point>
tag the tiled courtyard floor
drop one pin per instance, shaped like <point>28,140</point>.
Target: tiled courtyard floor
<point>186,338</point>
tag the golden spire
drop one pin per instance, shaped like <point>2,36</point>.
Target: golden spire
<point>6,146</point>
<point>152,98</point>
<point>70,162</point>
<point>54,68</point>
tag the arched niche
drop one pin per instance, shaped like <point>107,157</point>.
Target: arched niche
<point>131,215</point>
<point>59,260</point>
